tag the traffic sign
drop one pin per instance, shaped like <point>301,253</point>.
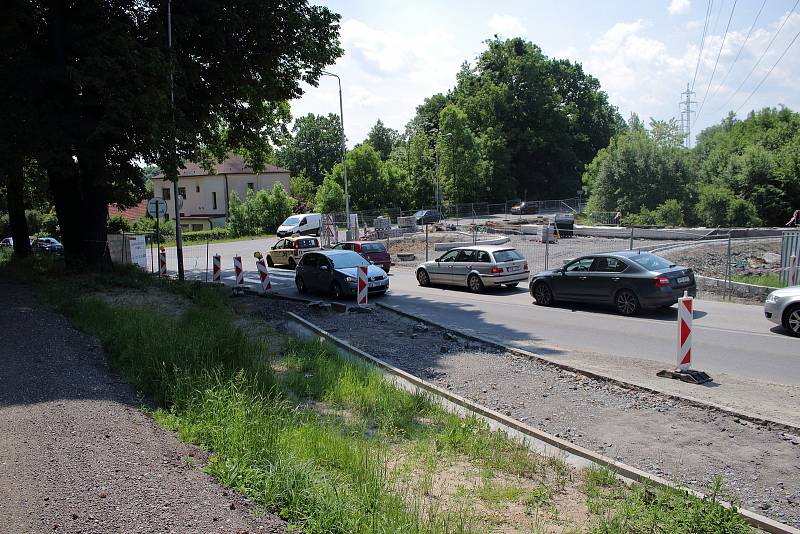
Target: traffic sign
<point>156,207</point>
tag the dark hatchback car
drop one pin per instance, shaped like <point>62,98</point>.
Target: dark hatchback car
<point>373,251</point>
<point>334,272</point>
<point>47,245</point>
<point>630,281</point>
<point>428,216</point>
<point>525,208</point>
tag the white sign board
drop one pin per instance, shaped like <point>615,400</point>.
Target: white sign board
<point>138,250</point>
<point>156,207</point>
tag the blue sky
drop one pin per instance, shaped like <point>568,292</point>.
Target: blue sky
<point>399,52</point>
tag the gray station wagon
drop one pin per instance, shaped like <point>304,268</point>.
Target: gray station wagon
<point>475,267</point>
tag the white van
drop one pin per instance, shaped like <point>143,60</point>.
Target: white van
<point>302,224</point>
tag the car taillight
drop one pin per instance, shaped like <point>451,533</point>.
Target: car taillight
<point>297,247</point>
<point>525,267</point>
<point>661,281</point>
<point>496,270</point>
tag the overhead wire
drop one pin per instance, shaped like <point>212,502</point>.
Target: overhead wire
<point>769,71</point>
<point>741,48</point>
<point>702,40</point>
<point>764,53</point>
<point>716,62</point>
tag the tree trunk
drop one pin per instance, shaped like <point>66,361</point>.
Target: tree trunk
<point>16,209</point>
<point>63,178</point>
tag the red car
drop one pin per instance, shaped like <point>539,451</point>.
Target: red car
<point>373,251</point>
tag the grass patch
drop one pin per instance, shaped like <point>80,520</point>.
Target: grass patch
<point>320,441</point>
<point>768,279</point>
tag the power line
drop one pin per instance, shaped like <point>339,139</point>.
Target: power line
<point>768,72</point>
<point>721,46</point>
<point>764,53</point>
<point>739,53</point>
<point>702,40</point>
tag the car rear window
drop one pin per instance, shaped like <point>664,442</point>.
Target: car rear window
<point>372,247</point>
<point>308,243</point>
<point>507,255</point>
<point>651,262</point>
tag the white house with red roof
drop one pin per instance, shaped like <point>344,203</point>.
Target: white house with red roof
<point>206,196</point>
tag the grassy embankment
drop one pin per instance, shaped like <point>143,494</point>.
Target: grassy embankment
<point>329,445</point>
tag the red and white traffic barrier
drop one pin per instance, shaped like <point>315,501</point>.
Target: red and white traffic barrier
<point>684,369</point>
<point>162,263</point>
<point>685,316</point>
<point>263,274</point>
<point>363,286</point>
<point>237,266</point>
<point>217,276</point>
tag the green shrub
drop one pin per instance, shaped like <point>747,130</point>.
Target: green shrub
<point>670,213</point>
<point>118,224</point>
<point>215,234</point>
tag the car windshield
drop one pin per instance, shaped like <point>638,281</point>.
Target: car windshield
<point>420,213</point>
<point>372,247</point>
<point>507,255</point>
<point>291,221</point>
<point>651,262</point>
<point>308,243</point>
<point>347,261</point>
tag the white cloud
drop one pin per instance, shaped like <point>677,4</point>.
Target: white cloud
<point>506,26</point>
<point>678,6</point>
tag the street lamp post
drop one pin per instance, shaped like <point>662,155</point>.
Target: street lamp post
<point>344,154</point>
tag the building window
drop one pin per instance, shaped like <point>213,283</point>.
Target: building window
<point>251,186</point>
<point>165,194</point>
<point>214,199</point>
<point>184,227</point>
<point>197,227</point>
<point>182,192</point>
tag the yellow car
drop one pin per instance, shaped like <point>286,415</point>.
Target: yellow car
<point>289,250</point>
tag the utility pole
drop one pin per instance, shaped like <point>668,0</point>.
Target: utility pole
<point>174,164</point>
<point>685,106</point>
<point>344,154</point>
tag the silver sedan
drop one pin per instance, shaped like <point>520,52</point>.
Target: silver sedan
<point>475,267</point>
<point>783,307</point>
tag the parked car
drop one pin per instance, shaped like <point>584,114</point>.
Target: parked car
<point>372,251</point>
<point>334,272</point>
<point>428,216</point>
<point>47,245</point>
<point>475,267</point>
<point>288,251</point>
<point>630,281</point>
<point>302,224</point>
<point>525,208</point>
<point>8,242</point>
<point>783,307</point>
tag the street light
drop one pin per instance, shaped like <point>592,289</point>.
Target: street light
<point>344,153</point>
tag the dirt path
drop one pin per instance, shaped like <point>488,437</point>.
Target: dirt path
<point>760,465</point>
<point>76,453</point>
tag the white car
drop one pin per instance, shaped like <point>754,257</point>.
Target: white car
<point>783,307</point>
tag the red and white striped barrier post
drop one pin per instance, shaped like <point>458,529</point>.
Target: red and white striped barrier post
<point>263,272</point>
<point>793,272</point>
<point>684,369</point>
<point>685,316</point>
<point>237,267</point>
<point>162,262</point>
<point>217,276</point>
<point>363,286</point>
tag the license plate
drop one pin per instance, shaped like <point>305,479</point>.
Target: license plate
<point>683,280</point>
<point>514,268</point>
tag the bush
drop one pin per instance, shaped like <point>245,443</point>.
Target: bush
<point>118,224</point>
<point>260,213</point>
<point>215,234</point>
<point>670,213</point>
<point>719,206</point>
<point>329,197</point>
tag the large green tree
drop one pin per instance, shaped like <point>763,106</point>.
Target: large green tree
<point>383,139</point>
<point>314,147</point>
<point>368,186</point>
<point>99,81</point>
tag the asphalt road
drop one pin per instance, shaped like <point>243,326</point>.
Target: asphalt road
<point>730,338</point>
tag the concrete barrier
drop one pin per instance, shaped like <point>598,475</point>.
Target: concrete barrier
<point>455,244</point>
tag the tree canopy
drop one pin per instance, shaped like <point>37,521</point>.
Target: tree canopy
<point>314,147</point>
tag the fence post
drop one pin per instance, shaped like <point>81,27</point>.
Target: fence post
<point>728,287</point>
<point>546,251</point>
<point>207,245</point>
<point>426,241</point>
<point>631,245</point>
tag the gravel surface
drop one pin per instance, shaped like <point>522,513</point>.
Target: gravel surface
<point>747,257</point>
<point>760,465</point>
<point>76,453</point>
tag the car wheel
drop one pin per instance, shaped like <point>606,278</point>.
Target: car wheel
<point>336,290</point>
<point>301,285</point>
<point>791,320</point>
<point>627,303</point>
<point>292,263</point>
<point>474,283</point>
<point>269,261</point>
<point>542,294</point>
<point>515,284</point>
<point>422,278</point>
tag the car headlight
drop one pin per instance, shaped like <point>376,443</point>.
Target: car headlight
<point>772,297</point>
<point>349,279</point>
